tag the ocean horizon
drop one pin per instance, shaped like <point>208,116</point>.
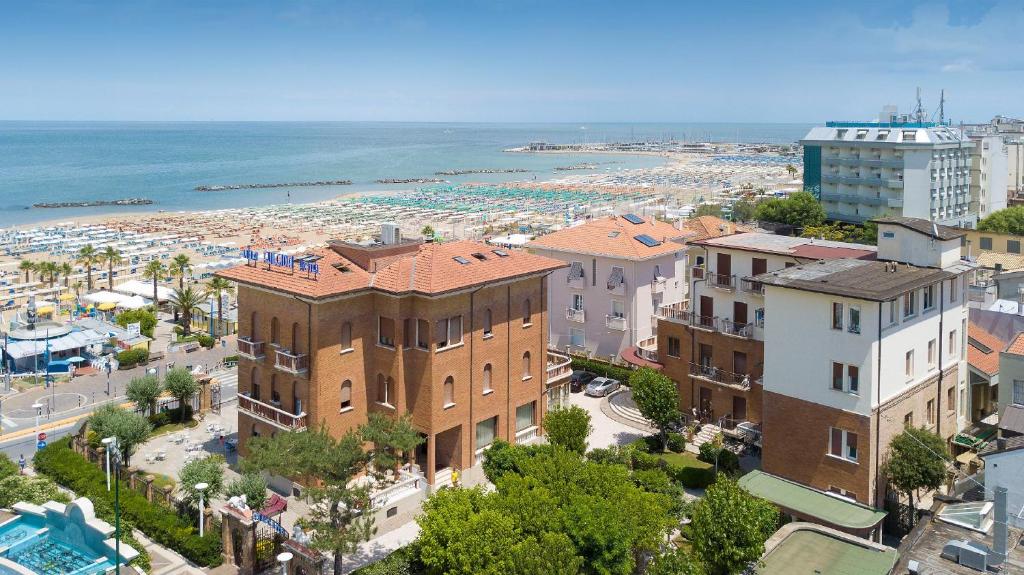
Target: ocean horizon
<point>82,161</point>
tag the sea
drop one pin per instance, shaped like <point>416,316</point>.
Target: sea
<point>51,162</point>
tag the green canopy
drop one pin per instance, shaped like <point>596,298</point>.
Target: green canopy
<point>810,503</point>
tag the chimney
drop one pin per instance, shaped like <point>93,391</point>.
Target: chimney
<point>1000,531</point>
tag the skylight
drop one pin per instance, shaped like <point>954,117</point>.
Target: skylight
<point>613,234</point>
<point>633,219</point>
<point>479,256</point>
<point>461,260</point>
<point>500,253</point>
<point>647,240</point>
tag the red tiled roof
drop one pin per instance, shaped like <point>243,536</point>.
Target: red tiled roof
<point>706,227</point>
<point>1016,346</point>
<point>977,356</point>
<point>614,237</point>
<point>430,270</point>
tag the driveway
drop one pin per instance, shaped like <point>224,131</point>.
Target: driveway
<point>607,432</point>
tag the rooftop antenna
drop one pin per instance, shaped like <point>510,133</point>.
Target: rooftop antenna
<point>919,109</point>
<point>942,106</point>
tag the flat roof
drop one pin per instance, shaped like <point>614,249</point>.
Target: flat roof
<point>809,552</point>
<point>810,502</point>
<point>923,226</point>
<point>860,279</point>
<point>809,248</point>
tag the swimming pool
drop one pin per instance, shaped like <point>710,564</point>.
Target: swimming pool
<point>58,539</point>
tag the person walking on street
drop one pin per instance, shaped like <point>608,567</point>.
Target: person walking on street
<point>21,463</point>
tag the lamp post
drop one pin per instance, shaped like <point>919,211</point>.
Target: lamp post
<point>108,443</point>
<point>283,559</point>
<point>201,487</point>
<point>115,453</point>
<point>39,411</point>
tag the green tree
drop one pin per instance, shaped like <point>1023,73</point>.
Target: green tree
<point>708,210</point>
<point>88,256</point>
<point>112,257</point>
<point>391,439</point>
<point>657,398</point>
<point>743,210</point>
<point>1006,221</point>
<point>186,301</point>
<point>27,266</point>
<point>917,459</point>
<point>144,317</point>
<point>47,270</point>
<point>568,427</point>
<point>144,391</point>
<point>154,270</point>
<point>799,209</point>
<point>729,527</point>
<point>180,383</point>
<point>427,231</point>
<point>180,267</point>
<point>208,470</point>
<point>130,428</point>
<point>66,270</point>
<point>253,486</point>
<point>791,170</point>
<point>677,562</point>
<point>219,286</point>
<point>36,489</point>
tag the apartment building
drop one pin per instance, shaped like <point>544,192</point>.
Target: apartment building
<point>714,349</point>
<point>866,170</point>
<point>989,174</point>
<point>856,349</point>
<point>619,271</point>
<point>455,334</point>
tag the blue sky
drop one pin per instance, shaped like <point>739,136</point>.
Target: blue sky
<point>506,60</point>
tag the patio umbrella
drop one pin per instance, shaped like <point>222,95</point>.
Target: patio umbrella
<point>67,297</point>
<point>106,306</point>
<point>76,359</point>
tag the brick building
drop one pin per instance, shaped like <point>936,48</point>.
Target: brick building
<point>455,334</point>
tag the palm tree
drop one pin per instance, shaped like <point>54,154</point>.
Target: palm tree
<point>28,267</point>
<point>47,271</point>
<point>186,300</point>
<point>154,270</point>
<point>180,266</point>
<point>66,270</point>
<point>88,257</point>
<point>791,169</point>
<point>111,257</point>
<point>218,286</point>
<point>77,286</point>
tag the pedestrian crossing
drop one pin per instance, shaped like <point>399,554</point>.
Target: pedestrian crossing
<point>226,377</point>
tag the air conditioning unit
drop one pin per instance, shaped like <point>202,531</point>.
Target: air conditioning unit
<point>390,234</point>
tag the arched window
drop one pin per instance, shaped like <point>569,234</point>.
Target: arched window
<point>449,391</point>
<point>275,336</point>
<point>253,327</point>
<point>254,384</point>
<point>488,322</point>
<point>295,337</point>
<point>346,336</point>
<point>346,395</point>
<point>274,394</point>
<point>527,312</point>
<point>487,379</point>
<point>526,366</point>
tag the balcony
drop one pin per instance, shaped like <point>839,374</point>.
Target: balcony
<point>722,281</point>
<point>526,436</point>
<point>674,310</point>
<point>559,366</point>
<point>658,285</point>
<point>720,376</point>
<point>894,183</point>
<point>648,348</point>
<point>265,412</point>
<point>293,363</point>
<point>750,286</point>
<point>697,273</point>
<point>732,328</point>
<point>615,322</point>
<point>575,315</point>
<point>408,481</point>
<point>578,283</point>
<point>250,349</point>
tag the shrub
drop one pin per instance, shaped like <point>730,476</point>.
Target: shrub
<point>162,525</point>
<point>144,317</point>
<point>614,455</point>
<point>603,369</point>
<point>205,341</point>
<point>253,486</point>
<point>676,442</point>
<point>129,358</point>
<point>402,561</point>
<point>568,427</point>
<point>7,467</point>
<point>502,457</point>
<point>728,462</point>
<point>37,489</point>
<point>171,416</point>
<point>692,477</point>
<point>230,359</point>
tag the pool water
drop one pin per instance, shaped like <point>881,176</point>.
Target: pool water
<point>55,558</point>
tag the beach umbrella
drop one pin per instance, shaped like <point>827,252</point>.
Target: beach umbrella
<point>67,297</point>
<point>76,359</point>
<point>106,306</point>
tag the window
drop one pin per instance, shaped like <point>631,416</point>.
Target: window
<point>618,308</point>
<point>986,243</point>
<point>950,399</point>
<point>408,332</point>
<point>952,290</point>
<point>930,412</point>
<point>909,367</point>
<point>577,337</point>
<point>888,235</point>
<point>1018,392</point>
<point>577,302</point>
<point>673,346</point>
<point>527,313</point>
<point>963,401</point>
<point>254,384</point>
<point>386,331</point>
<point>486,384</point>
<point>526,366</point>
<point>952,343</point>
<point>485,432</point>
<point>837,376</point>
<point>928,299</point>
<point>909,304</point>
<point>275,397</point>
<point>837,315</point>
<point>488,323</point>
<point>854,326</point>
<point>384,389</point>
<point>894,313</point>
<point>449,392</point>
<point>422,334</point>
<point>449,332</point>
<point>524,416</point>
<point>346,395</point>
<point>853,379</point>
<point>275,332</point>
<point>346,336</point>
<point>931,354</point>
<point>1013,246</point>
<point>842,444</point>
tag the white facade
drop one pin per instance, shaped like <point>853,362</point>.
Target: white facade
<point>899,244</point>
<point>989,174</point>
<point>1005,469</point>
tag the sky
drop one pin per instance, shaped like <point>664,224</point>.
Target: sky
<point>507,60</point>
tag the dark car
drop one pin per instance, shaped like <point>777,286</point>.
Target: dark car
<point>579,379</point>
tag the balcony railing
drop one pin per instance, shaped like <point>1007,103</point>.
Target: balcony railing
<point>528,435</point>
<point>559,366</point>
<point>674,310</point>
<point>697,272</point>
<point>272,415</point>
<point>648,348</point>
<point>751,286</point>
<point>737,329</point>
<point>408,482</point>
<point>294,363</point>
<point>578,283</point>
<point>616,322</point>
<point>249,348</point>
<point>722,281</point>
<point>716,375</point>
<point>576,315</point>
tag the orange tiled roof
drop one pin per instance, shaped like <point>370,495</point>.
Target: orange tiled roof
<point>1016,346</point>
<point>707,227</point>
<point>977,357</point>
<point>614,237</point>
<point>430,270</point>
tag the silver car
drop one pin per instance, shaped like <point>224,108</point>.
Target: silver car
<point>601,386</point>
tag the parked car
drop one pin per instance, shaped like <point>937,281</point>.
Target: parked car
<point>601,386</point>
<point>579,379</point>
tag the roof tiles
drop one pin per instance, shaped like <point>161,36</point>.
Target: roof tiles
<point>614,237</point>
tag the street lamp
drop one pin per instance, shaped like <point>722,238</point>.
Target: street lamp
<point>114,453</point>
<point>283,559</point>
<point>108,443</point>
<point>201,487</point>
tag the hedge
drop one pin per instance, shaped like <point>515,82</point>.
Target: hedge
<point>160,524</point>
<point>131,357</point>
<point>691,477</point>
<point>603,369</point>
<point>401,561</point>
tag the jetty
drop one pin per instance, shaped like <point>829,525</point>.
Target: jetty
<point>482,171</point>
<point>410,181</point>
<point>95,203</point>
<point>228,187</point>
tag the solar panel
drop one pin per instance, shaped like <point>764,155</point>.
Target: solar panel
<point>633,219</point>
<point>647,240</point>
<point>461,260</point>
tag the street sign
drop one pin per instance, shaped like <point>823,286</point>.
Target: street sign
<point>42,436</point>
<point>41,445</point>
<point>134,329</point>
